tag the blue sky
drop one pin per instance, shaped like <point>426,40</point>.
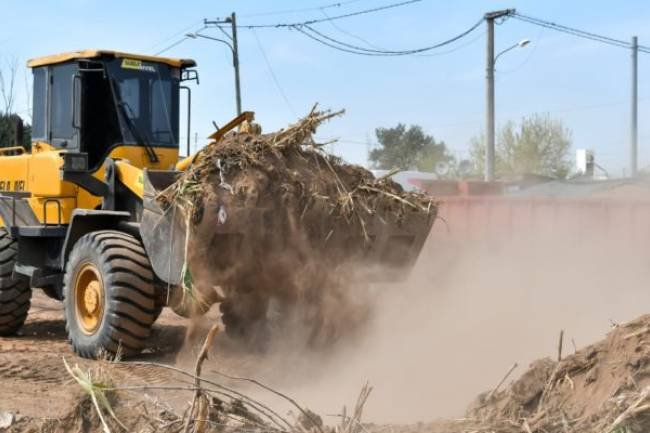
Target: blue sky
<point>584,83</point>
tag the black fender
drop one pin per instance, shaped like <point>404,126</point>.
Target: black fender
<point>84,221</point>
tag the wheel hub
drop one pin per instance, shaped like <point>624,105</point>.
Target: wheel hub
<point>89,298</point>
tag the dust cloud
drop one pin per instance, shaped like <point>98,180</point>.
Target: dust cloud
<point>469,311</point>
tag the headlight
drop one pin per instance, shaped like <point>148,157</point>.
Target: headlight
<point>75,161</point>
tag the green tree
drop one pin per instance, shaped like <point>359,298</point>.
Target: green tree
<point>9,121</point>
<point>408,149</point>
<point>8,125</point>
<point>538,145</point>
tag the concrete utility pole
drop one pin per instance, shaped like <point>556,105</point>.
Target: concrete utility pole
<point>489,92</point>
<point>634,133</point>
<point>234,48</point>
<point>235,52</point>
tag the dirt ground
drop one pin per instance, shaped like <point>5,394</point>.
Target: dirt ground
<point>412,352</point>
<point>43,397</point>
<point>33,378</point>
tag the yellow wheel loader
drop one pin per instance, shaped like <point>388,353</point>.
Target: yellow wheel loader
<point>79,215</point>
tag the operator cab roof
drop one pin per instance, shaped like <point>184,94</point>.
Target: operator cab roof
<point>91,54</point>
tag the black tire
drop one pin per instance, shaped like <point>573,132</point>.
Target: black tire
<point>157,310</point>
<point>129,300</point>
<point>15,294</point>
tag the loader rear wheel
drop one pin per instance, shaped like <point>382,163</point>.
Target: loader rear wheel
<point>15,294</point>
<point>109,295</point>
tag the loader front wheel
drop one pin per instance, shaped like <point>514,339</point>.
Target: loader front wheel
<point>109,295</point>
<point>15,294</point>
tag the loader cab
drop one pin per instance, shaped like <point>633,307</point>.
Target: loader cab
<point>95,101</point>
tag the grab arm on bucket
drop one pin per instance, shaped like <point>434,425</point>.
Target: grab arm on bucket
<point>246,116</point>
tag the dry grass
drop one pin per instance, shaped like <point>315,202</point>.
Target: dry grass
<point>214,406</point>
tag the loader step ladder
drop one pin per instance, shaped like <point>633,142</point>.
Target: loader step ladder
<point>19,217</point>
<point>38,242</point>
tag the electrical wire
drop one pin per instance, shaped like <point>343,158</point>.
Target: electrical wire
<point>377,47</point>
<point>169,47</point>
<point>228,35</point>
<point>273,76</point>
<point>577,32</point>
<point>355,49</point>
<point>295,11</point>
<point>345,50</point>
<point>175,35</point>
<point>456,48</point>
<point>335,17</point>
<point>347,33</point>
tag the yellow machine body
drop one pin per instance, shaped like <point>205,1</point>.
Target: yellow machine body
<point>37,173</point>
<point>47,197</point>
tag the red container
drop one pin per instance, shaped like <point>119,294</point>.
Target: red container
<point>475,217</point>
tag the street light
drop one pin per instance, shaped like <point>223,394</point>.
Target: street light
<point>491,60</point>
<point>522,43</point>
<point>235,58</point>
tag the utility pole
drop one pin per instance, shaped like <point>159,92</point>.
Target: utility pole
<point>234,48</point>
<point>235,55</point>
<point>489,92</point>
<point>634,133</point>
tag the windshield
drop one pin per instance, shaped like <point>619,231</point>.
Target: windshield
<point>147,98</point>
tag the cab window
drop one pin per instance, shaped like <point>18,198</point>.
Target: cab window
<point>39,131</point>
<point>62,130</point>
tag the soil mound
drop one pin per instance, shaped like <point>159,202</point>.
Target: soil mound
<point>604,387</point>
<point>274,217</point>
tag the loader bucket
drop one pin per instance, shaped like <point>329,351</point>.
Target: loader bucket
<point>387,252</point>
<point>163,231</point>
<point>393,248</point>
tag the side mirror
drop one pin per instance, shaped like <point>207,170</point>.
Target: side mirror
<point>190,75</point>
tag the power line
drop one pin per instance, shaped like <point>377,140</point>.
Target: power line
<point>310,32</point>
<point>176,34</point>
<point>171,46</point>
<point>355,49</point>
<point>340,45</point>
<point>336,17</point>
<point>377,47</point>
<point>294,11</point>
<point>363,53</point>
<point>577,32</point>
<point>346,32</point>
<point>273,76</point>
<point>456,48</point>
<point>571,31</point>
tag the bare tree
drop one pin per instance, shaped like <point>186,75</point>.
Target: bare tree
<point>28,94</point>
<point>8,84</point>
<point>13,131</point>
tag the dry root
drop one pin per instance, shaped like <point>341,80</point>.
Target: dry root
<point>214,407</point>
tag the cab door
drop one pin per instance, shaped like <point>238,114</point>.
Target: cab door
<point>64,106</point>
